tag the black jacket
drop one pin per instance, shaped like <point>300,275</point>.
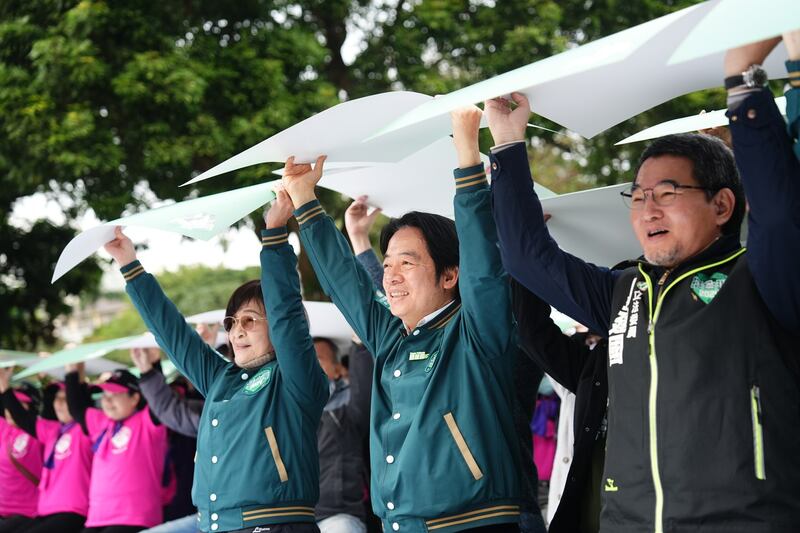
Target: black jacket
<point>341,438</point>
<point>583,372</point>
<point>703,401</point>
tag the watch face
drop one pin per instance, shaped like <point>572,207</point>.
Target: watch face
<point>755,76</point>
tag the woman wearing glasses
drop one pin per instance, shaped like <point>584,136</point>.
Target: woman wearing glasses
<point>257,463</point>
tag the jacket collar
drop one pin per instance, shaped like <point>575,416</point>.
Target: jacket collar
<point>719,249</point>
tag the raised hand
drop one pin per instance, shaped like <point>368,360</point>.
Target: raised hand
<point>280,211</point>
<point>792,41</point>
<point>358,223</point>
<point>121,248</point>
<point>5,378</point>
<point>80,368</point>
<point>300,180</point>
<point>507,123</point>
<point>143,359</point>
<point>208,332</point>
<point>466,125</point>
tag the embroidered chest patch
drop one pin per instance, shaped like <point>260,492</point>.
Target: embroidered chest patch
<point>706,287</point>
<point>418,356</point>
<point>258,382</point>
<point>120,440</point>
<point>431,361</point>
<point>62,445</point>
<point>20,446</point>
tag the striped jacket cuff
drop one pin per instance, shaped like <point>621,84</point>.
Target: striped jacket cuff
<point>271,238</point>
<point>470,179</point>
<point>132,270</point>
<point>793,68</point>
<point>308,212</point>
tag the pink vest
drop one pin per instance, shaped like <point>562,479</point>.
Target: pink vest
<point>128,465</point>
<point>18,494</point>
<point>68,461</point>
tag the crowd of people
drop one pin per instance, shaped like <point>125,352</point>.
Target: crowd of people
<point>685,400</point>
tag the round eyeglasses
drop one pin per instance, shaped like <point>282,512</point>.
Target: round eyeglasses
<point>663,194</point>
<point>247,322</point>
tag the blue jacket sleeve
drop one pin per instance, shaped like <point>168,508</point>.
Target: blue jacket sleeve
<point>288,326</point>
<point>793,104</point>
<point>195,359</point>
<point>770,173</point>
<point>369,260</point>
<point>578,289</point>
<point>343,279</point>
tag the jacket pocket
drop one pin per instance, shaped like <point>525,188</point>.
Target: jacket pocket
<point>463,447</point>
<point>276,454</point>
<point>758,434</point>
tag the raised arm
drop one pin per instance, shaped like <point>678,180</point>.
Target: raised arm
<point>358,222</point>
<point>23,418</point>
<point>482,281</point>
<point>770,173</point>
<point>78,401</point>
<point>339,273</point>
<point>288,326</point>
<point>192,356</point>
<point>178,414</point>
<point>579,289</point>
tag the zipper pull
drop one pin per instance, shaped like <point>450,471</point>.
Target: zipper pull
<point>663,277</point>
<point>757,396</point>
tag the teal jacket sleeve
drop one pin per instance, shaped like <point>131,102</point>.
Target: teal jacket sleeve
<point>288,326</point>
<point>343,278</point>
<point>483,283</point>
<point>195,359</point>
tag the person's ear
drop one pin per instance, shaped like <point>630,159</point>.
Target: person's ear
<point>449,278</point>
<point>724,204</point>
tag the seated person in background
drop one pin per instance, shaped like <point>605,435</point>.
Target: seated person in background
<point>181,415</point>
<point>64,485</point>
<point>20,464</point>
<point>341,437</point>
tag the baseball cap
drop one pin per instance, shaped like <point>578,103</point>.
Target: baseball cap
<point>119,381</point>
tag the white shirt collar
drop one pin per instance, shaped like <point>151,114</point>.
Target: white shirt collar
<point>428,318</point>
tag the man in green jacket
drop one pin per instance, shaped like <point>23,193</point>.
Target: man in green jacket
<point>442,439</point>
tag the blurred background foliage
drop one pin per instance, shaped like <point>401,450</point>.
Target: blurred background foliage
<point>99,97</point>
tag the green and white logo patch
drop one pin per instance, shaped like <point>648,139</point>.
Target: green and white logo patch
<point>418,356</point>
<point>431,361</point>
<point>707,287</point>
<point>641,285</point>
<point>259,381</point>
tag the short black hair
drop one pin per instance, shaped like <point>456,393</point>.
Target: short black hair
<point>246,292</point>
<point>713,166</point>
<point>439,233</point>
<point>329,342</point>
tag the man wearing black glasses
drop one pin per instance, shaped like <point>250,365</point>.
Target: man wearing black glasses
<point>702,353</point>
